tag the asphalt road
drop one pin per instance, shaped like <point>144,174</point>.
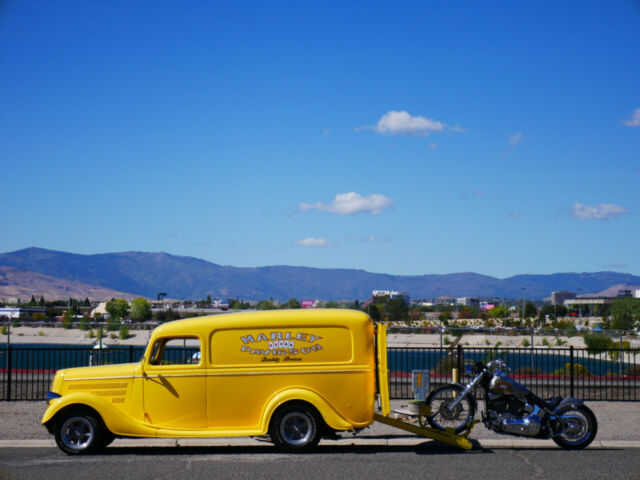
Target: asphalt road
<point>427,460</point>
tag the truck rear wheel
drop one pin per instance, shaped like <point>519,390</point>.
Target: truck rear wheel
<point>295,428</point>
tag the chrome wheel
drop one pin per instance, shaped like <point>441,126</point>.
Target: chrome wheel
<point>78,433</point>
<point>576,428</point>
<point>442,416</point>
<point>295,427</point>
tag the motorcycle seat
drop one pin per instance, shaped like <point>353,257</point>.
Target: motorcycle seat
<point>552,403</point>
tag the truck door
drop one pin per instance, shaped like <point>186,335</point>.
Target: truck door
<point>174,379</point>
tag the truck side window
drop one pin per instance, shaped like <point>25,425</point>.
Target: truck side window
<point>176,351</point>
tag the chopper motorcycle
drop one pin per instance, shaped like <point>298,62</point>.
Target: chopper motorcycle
<point>511,409</point>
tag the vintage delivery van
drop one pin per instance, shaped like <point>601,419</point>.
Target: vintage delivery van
<point>295,375</point>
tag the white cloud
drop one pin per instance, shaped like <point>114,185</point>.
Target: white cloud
<point>634,121</point>
<point>368,238</point>
<point>616,265</point>
<point>325,132</point>
<point>314,242</point>
<point>515,138</point>
<point>403,123</point>
<point>515,215</point>
<point>602,211</point>
<point>351,203</point>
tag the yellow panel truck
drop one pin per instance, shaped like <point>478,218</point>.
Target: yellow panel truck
<point>293,374</point>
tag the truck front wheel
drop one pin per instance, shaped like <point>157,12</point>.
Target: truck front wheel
<point>79,433</point>
<point>294,428</point>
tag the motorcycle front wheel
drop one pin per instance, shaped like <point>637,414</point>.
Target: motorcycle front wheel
<point>577,427</point>
<point>442,416</point>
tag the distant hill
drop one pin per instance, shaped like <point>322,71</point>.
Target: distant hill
<point>147,274</point>
<point>21,284</point>
<point>613,290</point>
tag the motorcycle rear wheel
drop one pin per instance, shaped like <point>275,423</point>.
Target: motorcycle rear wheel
<point>580,431</point>
<point>441,417</point>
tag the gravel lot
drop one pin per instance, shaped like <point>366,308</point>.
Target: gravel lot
<point>616,421</point>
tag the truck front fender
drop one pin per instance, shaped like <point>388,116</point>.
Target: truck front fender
<point>117,421</point>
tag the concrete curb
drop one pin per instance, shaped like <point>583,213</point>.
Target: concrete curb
<point>344,442</point>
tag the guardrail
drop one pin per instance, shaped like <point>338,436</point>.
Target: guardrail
<point>613,374</point>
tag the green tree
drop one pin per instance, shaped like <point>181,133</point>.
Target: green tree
<point>530,310</point>
<point>266,305</point>
<point>140,310</point>
<point>444,317</point>
<point>117,308</point>
<point>293,303</point>
<point>41,302</point>
<point>499,312</point>
<point>397,310</point>
<point>67,319</point>
<point>625,313</point>
<point>373,312</point>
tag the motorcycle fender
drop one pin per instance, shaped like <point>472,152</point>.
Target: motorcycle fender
<point>575,402</point>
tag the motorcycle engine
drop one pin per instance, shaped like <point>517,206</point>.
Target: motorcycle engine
<point>512,415</point>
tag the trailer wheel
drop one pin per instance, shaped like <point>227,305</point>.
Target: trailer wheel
<point>294,428</point>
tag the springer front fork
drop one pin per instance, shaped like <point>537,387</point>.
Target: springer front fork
<point>453,405</point>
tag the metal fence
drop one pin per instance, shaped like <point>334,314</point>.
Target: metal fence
<point>614,375</point>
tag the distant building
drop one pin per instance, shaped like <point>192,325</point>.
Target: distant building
<point>625,293</point>
<point>19,312</point>
<point>560,296</point>
<point>636,294</point>
<point>391,294</point>
<point>309,303</point>
<point>468,302</point>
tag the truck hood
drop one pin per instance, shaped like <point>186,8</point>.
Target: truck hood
<point>102,371</point>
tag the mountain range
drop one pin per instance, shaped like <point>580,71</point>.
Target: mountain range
<point>16,283</point>
<point>146,274</point>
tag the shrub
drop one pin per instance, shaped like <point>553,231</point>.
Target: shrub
<point>124,332</point>
<point>84,323</point>
<point>633,371</point>
<point>525,343</point>
<point>3,330</point>
<point>545,342</point>
<point>578,370</point>
<point>446,340</point>
<point>598,343</point>
<point>91,333</point>
<point>529,371</point>
<point>447,364</point>
<point>67,320</point>
<point>560,342</point>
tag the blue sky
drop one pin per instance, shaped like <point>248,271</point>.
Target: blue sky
<point>405,138</point>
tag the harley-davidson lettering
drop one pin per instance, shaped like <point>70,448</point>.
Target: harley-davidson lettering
<point>281,344</point>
